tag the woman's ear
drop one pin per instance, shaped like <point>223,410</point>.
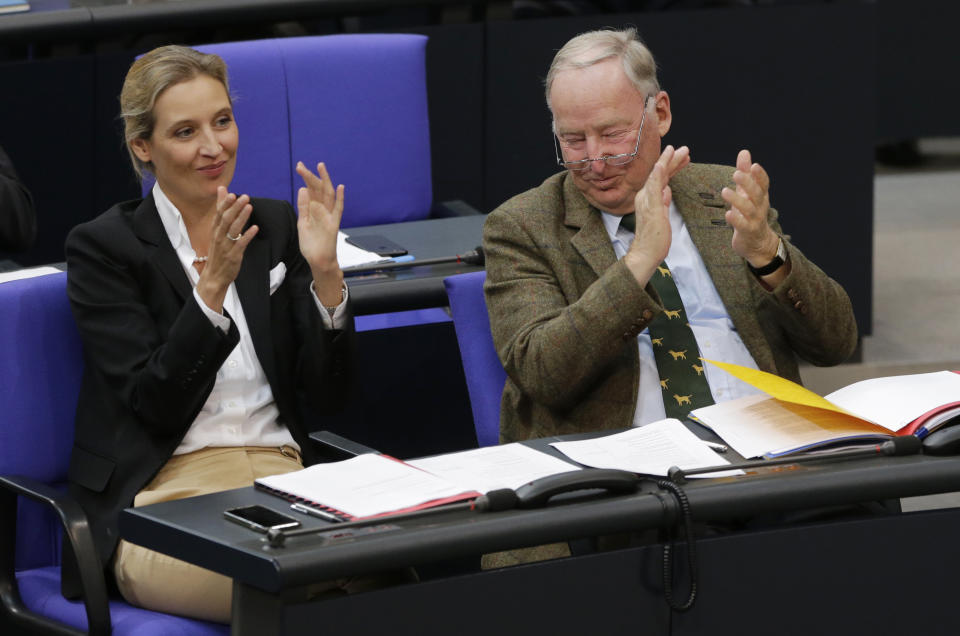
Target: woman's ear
<point>141,148</point>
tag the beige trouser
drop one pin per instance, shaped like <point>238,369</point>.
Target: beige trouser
<point>159,582</point>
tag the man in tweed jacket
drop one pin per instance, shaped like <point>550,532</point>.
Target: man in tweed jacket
<point>566,313</point>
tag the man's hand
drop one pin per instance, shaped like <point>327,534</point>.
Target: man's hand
<point>753,238</point>
<point>652,204</point>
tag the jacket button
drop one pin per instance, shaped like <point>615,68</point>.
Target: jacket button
<point>647,314</point>
<point>792,294</point>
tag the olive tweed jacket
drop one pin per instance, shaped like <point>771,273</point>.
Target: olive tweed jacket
<point>565,313</point>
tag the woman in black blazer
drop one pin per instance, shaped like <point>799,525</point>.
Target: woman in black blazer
<point>206,317</point>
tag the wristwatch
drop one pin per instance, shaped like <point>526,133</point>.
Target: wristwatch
<point>773,265</point>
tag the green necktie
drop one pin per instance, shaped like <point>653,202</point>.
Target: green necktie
<point>682,380</point>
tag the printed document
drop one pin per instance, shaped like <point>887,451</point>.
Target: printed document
<point>648,450</point>
<point>494,467</point>
<point>365,486</point>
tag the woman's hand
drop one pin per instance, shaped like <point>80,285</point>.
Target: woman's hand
<point>228,241</point>
<point>320,209</point>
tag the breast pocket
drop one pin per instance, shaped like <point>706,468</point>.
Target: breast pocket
<point>90,470</point>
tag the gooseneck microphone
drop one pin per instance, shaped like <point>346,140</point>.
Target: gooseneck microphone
<point>903,445</point>
<point>473,257</point>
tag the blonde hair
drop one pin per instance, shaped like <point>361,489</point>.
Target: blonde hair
<point>594,47</point>
<point>146,80</point>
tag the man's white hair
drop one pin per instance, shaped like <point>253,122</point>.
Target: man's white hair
<point>594,47</point>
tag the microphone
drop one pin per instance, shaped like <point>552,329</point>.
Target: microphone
<point>902,445</point>
<point>473,257</point>
<point>496,500</point>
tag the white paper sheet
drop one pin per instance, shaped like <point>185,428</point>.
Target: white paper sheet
<point>28,272</point>
<point>349,255</point>
<point>365,485</point>
<point>493,467</point>
<point>650,450</point>
<point>895,401</point>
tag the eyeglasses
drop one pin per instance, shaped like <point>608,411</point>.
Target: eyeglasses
<point>612,160</point>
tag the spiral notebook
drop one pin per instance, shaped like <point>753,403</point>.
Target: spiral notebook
<point>365,486</point>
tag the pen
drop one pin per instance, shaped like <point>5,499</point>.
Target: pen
<point>314,512</point>
<point>720,448</point>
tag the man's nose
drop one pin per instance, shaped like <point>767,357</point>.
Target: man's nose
<point>597,165</point>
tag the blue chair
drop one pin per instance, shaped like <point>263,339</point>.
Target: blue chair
<point>357,102</point>
<point>481,365</point>
<point>41,365</point>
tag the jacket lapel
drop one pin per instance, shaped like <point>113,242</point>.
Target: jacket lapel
<point>591,241</point>
<point>253,289</point>
<point>149,229</point>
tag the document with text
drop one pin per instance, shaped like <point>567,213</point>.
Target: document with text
<point>365,486</point>
<point>791,418</point>
<point>648,450</point>
<point>493,467</point>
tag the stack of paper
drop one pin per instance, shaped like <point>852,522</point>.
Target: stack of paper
<point>365,486</point>
<point>647,450</point>
<point>791,418</point>
<point>494,467</point>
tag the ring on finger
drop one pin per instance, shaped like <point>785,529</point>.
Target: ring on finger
<point>234,238</point>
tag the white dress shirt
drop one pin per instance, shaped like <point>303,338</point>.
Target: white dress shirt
<point>240,410</point>
<point>715,334</point>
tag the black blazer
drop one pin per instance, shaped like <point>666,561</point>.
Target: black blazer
<point>152,355</point>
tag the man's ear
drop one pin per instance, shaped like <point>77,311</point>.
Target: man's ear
<point>141,148</point>
<point>664,116</point>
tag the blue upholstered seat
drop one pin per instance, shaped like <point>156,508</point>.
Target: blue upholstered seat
<point>356,102</point>
<point>40,372</point>
<point>481,366</point>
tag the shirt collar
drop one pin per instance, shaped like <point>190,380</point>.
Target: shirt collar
<point>173,224</point>
<point>612,224</point>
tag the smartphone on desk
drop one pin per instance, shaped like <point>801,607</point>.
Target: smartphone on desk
<point>377,244</point>
<point>260,518</point>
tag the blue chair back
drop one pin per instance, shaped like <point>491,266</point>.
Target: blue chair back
<point>41,369</point>
<point>41,365</point>
<point>481,365</point>
<point>356,102</point>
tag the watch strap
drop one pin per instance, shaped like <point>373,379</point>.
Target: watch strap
<point>773,265</point>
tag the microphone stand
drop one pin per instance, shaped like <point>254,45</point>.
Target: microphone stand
<point>906,445</point>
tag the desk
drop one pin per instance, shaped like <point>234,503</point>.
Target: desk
<point>427,411</point>
<point>416,287</point>
<point>592,591</point>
